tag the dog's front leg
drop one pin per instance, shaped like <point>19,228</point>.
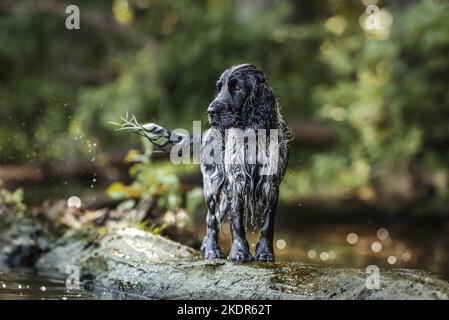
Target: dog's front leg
<point>209,247</point>
<point>240,248</point>
<point>264,247</point>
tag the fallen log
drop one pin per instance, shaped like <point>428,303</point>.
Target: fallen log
<point>130,263</point>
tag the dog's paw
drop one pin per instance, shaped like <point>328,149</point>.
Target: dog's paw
<point>264,251</point>
<point>240,251</point>
<point>211,254</point>
<point>240,256</point>
<point>264,256</point>
<point>210,250</point>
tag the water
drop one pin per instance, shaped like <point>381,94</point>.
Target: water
<point>387,247</point>
<point>418,248</point>
<point>39,285</point>
<point>323,244</point>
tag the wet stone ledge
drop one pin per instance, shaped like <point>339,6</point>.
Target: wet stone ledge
<point>131,263</point>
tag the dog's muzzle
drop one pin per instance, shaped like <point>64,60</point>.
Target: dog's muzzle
<point>213,112</point>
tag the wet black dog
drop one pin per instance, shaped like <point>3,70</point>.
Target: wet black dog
<point>234,183</point>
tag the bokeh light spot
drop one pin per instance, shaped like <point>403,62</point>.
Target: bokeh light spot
<point>311,254</point>
<point>74,202</point>
<point>376,246</point>
<point>352,238</point>
<point>281,244</point>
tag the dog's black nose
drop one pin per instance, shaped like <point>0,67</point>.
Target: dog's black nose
<point>212,109</point>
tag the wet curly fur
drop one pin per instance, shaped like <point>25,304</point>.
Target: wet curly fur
<point>232,186</point>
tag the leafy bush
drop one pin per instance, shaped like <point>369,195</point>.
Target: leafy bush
<point>157,182</point>
<point>13,200</point>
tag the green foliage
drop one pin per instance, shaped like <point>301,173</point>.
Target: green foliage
<point>13,199</point>
<point>388,103</point>
<point>152,228</point>
<point>195,198</point>
<point>150,182</point>
<point>153,181</point>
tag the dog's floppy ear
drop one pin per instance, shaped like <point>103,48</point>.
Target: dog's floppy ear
<point>261,105</point>
<point>267,105</point>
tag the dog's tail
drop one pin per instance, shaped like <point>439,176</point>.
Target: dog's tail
<point>166,140</point>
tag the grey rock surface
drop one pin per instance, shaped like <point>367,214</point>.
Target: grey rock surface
<point>132,263</point>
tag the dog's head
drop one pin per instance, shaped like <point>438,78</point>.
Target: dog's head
<point>243,100</point>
